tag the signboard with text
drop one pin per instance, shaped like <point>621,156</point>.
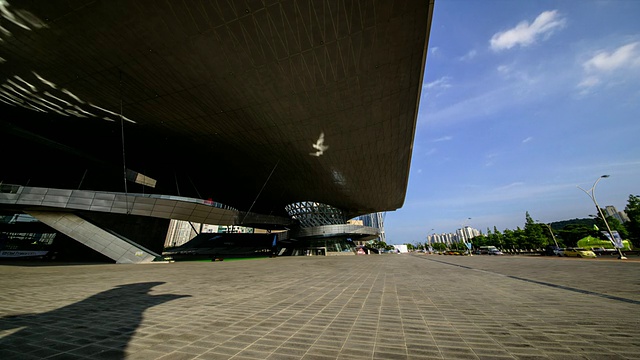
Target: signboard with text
<point>617,240</point>
<point>21,253</point>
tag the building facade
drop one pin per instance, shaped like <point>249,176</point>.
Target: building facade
<point>292,124</point>
<point>461,235</point>
<point>375,220</point>
<point>621,216</point>
<point>180,232</point>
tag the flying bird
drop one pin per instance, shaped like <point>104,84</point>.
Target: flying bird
<point>320,146</point>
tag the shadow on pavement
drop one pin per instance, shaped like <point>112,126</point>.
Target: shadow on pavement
<point>97,327</point>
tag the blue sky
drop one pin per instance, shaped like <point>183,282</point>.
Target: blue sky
<point>523,101</point>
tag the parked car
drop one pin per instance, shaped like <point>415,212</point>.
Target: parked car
<point>559,251</point>
<point>579,252</point>
<point>604,251</point>
<point>485,249</point>
<point>495,252</point>
<point>550,250</point>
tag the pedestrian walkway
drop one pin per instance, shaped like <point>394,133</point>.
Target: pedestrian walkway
<point>349,307</point>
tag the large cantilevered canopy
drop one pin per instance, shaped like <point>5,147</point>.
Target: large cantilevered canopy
<point>215,99</point>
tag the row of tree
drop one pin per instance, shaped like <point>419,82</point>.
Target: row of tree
<point>381,245</point>
<point>567,233</point>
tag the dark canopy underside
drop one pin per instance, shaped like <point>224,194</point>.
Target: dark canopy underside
<point>220,99</point>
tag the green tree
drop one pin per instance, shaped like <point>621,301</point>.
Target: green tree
<point>520,238</point>
<point>439,246</point>
<point>458,246</point>
<point>493,238</point>
<point>480,240</point>
<point>377,244</point>
<point>497,239</point>
<point>509,239</point>
<point>571,233</point>
<point>534,236</point>
<point>633,225</point>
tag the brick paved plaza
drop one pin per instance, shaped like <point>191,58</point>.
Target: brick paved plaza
<point>348,307</point>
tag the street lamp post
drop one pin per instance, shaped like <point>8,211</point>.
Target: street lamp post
<point>592,194</point>
<point>552,234</point>
<point>427,242</point>
<point>464,237</point>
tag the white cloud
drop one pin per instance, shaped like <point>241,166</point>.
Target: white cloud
<point>604,64</point>
<point>509,186</point>
<point>468,56</point>
<point>525,34</point>
<point>589,81</point>
<point>504,69</point>
<point>443,82</point>
<point>472,107</point>
<point>624,56</point>
<point>527,140</point>
<point>444,138</point>
<point>514,192</point>
<point>511,73</point>
<point>491,159</point>
<point>607,167</point>
<point>491,95</point>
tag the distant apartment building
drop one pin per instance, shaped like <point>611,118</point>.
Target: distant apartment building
<point>439,238</point>
<point>445,238</point>
<point>461,235</point>
<point>621,216</point>
<point>466,233</point>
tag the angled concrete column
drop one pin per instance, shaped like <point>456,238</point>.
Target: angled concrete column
<point>122,251</point>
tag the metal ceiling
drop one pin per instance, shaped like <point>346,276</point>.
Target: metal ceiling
<point>219,99</point>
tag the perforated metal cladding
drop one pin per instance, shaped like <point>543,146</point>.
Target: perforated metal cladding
<point>226,90</point>
<point>311,214</point>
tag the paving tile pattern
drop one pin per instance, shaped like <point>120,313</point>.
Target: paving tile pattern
<point>359,307</point>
